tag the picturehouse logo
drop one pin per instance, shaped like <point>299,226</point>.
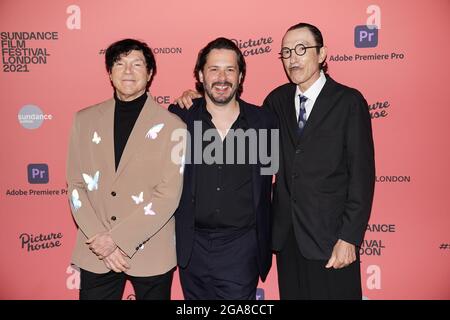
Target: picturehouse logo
<point>31,117</point>
<point>33,242</point>
<point>254,46</point>
<point>379,109</point>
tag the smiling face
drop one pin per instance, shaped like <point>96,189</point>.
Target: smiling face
<point>129,75</point>
<point>220,76</point>
<point>303,70</point>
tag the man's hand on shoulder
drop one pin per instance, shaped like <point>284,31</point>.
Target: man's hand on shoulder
<point>185,100</point>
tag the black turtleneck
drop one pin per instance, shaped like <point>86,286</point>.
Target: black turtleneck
<point>125,116</point>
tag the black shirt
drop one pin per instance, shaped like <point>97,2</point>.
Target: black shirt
<point>125,116</point>
<point>224,197</point>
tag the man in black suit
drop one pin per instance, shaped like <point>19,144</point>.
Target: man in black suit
<point>324,188</point>
<point>223,229</point>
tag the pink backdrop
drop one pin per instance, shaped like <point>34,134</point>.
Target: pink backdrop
<point>406,254</point>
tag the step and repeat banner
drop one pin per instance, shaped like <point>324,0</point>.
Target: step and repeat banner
<point>395,52</point>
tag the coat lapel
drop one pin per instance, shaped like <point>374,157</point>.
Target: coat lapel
<point>192,117</point>
<point>289,115</point>
<point>254,122</point>
<point>106,132</point>
<point>325,101</point>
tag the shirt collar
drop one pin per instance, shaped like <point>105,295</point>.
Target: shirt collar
<point>205,115</point>
<point>313,92</point>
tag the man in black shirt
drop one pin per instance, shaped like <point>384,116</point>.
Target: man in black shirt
<point>223,223</point>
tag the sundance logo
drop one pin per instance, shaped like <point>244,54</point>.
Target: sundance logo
<point>33,242</point>
<point>31,117</point>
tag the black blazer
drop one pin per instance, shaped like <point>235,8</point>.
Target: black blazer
<point>257,118</point>
<point>324,187</point>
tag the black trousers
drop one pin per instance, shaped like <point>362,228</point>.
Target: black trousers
<point>223,265</point>
<point>111,285</point>
<point>303,279</point>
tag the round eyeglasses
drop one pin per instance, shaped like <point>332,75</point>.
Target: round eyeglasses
<point>299,50</point>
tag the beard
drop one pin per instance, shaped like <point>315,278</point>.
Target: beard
<point>220,99</point>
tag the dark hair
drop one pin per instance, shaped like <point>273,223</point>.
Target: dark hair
<point>123,47</point>
<point>219,43</point>
<point>317,37</point>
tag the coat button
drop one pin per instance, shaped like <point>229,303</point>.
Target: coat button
<point>113,193</point>
<point>113,218</point>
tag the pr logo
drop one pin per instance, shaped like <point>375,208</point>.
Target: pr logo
<point>366,36</point>
<point>38,173</point>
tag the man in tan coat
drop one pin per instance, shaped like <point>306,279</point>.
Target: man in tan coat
<point>125,182</point>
